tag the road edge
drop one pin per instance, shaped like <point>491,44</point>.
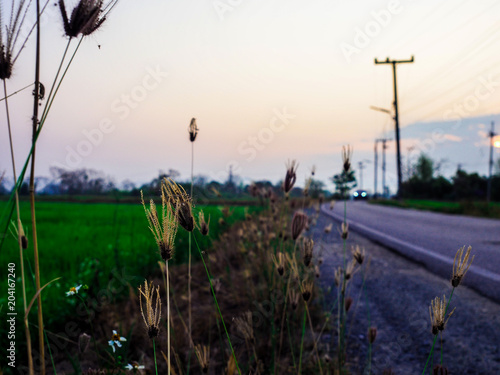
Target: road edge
<point>479,279</point>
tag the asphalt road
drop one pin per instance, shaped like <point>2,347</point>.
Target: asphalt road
<point>431,239</point>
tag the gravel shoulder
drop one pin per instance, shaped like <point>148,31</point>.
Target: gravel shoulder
<point>398,295</point>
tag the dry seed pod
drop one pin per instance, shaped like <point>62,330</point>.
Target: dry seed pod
<point>348,303</point>
<point>358,254</point>
<point>461,267</point>
<point>203,355</point>
<point>299,223</point>
<point>372,334</point>
<point>307,289</point>
<point>204,226</point>
<point>437,311</point>
<point>440,370</point>
<point>193,130</point>
<point>151,309</point>
<point>328,228</point>
<point>291,176</point>
<point>294,299</point>
<point>279,263</point>
<point>344,230</point>
<point>346,157</point>
<point>307,248</point>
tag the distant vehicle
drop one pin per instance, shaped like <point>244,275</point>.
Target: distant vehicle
<point>360,195</point>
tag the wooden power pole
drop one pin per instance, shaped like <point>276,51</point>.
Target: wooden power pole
<point>396,115</point>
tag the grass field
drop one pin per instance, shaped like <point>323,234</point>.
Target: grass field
<point>92,243</point>
<point>480,209</point>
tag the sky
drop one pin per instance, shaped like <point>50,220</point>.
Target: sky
<point>267,81</point>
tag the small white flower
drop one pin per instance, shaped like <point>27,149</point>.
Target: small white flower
<point>134,366</point>
<point>73,290</point>
<point>115,340</point>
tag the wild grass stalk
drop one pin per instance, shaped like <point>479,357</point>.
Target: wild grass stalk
<point>19,230</point>
<point>217,304</point>
<point>302,342</point>
<point>32,191</point>
<point>439,308</point>
<point>193,132</point>
<point>168,316</point>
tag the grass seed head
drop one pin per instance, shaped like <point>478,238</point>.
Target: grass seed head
<point>291,176</point>
<point>164,232</point>
<point>231,366</point>
<point>439,370</point>
<point>193,130</point>
<point>5,63</point>
<point>203,356</point>
<point>461,265</point>
<point>344,230</point>
<point>307,289</point>
<point>9,36</point>
<point>346,157</point>
<point>294,298</point>
<point>279,262</point>
<point>437,312</point>
<point>350,270</point>
<point>317,272</point>
<point>299,223</point>
<point>244,326</point>
<point>86,17</point>
<point>203,225</point>
<point>358,254</point>
<point>181,202</point>
<point>338,275</point>
<point>307,249</point>
<point>151,308</point>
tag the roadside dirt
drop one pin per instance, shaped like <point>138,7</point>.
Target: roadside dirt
<point>396,302</point>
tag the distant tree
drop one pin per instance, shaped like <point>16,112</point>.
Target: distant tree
<point>3,189</point>
<point>468,186</point>
<point>344,182</point>
<point>316,188</point>
<point>127,185</point>
<point>81,181</point>
<point>424,169</point>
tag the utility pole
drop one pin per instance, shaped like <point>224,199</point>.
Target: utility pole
<point>396,115</point>
<point>376,151</point>
<point>384,147</point>
<point>491,135</point>
<point>361,165</point>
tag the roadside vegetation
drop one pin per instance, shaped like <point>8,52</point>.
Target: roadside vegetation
<point>463,194</point>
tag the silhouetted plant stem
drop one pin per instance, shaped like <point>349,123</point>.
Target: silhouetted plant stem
<point>32,193</point>
<point>19,232</point>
